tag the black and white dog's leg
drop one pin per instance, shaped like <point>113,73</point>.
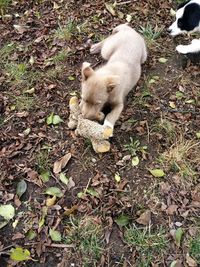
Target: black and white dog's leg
<point>194,47</point>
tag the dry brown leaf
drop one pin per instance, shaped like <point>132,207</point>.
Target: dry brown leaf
<point>144,218</point>
<point>171,209</point>
<point>68,212</point>
<point>50,201</point>
<point>71,183</point>
<point>190,261</point>
<point>61,163</point>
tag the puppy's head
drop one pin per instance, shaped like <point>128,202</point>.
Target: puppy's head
<point>187,19</point>
<point>96,90</point>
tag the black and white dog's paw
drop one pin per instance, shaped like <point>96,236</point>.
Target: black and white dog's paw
<point>194,47</point>
<point>182,49</point>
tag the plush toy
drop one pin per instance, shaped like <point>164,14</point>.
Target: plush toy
<point>97,133</point>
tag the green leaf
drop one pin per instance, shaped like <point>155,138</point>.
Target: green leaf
<point>71,78</point>
<point>55,235</point>
<point>173,264</point>
<point>92,192</point>
<point>117,177</point>
<point>7,211</point>
<point>21,188</point>
<point>178,235</point>
<point>20,254</point>
<point>63,178</point>
<point>162,60</point>
<point>135,161</point>
<point>157,172</point>
<point>122,220</point>
<point>179,94</point>
<point>56,119</point>
<point>198,134</point>
<point>50,119</point>
<point>80,194</point>
<point>31,234</point>
<point>45,176</point>
<point>54,191</point>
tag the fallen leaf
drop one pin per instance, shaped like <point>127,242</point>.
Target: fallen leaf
<point>55,235</point>
<point>61,163</point>
<point>50,201</point>
<point>178,236</point>
<point>31,234</point>
<point>21,188</point>
<point>157,172</point>
<point>71,183</point>
<point>63,178</point>
<point>19,254</point>
<point>135,161</point>
<point>20,29</point>
<point>122,220</point>
<point>190,261</point>
<point>54,191</point>
<point>162,60</point>
<point>171,209</point>
<point>7,211</point>
<point>110,8</point>
<point>117,177</point>
<point>172,12</point>
<point>198,135</point>
<point>145,218</point>
<point>68,212</point>
<point>172,104</point>
<point>45,176</point>
<point>128,18</point>
<point>56,120</point>
<point>176,263</point>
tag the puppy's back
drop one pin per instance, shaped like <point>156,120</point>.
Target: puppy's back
<point>125,44</point>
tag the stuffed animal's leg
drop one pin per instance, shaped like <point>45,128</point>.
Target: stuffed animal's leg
<point>96,48</point>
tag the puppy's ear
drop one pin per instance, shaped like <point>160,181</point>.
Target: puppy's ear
<point>87,71</point>
<point>112,82</point>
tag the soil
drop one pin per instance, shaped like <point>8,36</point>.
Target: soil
<point>150,102</point>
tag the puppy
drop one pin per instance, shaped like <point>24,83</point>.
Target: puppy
<point>125,51</point>
<point>187,21</point>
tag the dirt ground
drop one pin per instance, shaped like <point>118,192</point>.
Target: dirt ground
<point>137,205</point>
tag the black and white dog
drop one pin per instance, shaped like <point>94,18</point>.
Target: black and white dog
<point>187,21</point>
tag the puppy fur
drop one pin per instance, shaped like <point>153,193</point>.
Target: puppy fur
<point>187,21</point>
<point>125,51</point>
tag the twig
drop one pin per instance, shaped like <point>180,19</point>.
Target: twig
<point>87,185</point>
<point>123,3</point>
<point>59,245</point>
<point>148,134</point>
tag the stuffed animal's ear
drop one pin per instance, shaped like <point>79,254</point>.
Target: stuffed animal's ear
<point>87,71</point>
<point>112,82</point>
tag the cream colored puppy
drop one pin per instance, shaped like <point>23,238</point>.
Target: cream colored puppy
<point>125,51</point>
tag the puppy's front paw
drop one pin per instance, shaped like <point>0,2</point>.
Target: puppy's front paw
<point>182,49</point>
<point>94,49</point>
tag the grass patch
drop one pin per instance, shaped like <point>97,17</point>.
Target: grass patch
<point>182,157</point>
<point>86,234</point>
<point>42,160</point>
<point>16,71</point>
<point>71,29</point>
<point>4,4</point>
<point>66,32</point>
<point>165,127</point>
<point>149,245</point>
<point>150,33</point>
<point>134,147</point>
<point>194,248</point>
<point>6,51</point>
